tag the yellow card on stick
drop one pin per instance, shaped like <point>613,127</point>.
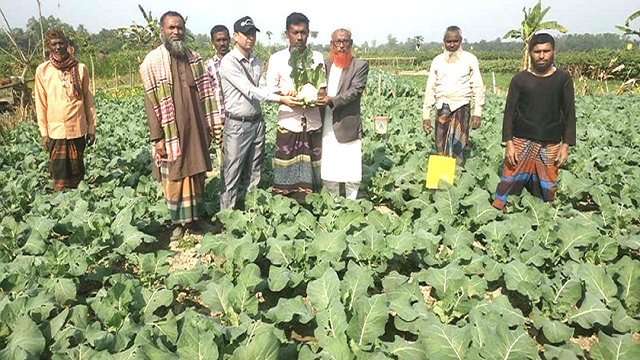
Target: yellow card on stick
<point>440,168</point>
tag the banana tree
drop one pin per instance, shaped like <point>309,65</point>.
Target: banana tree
<point>417,41</point>
<point>626,28</point>
<point>530,25</point>
<point>269,33</point>
<point>142,36</point>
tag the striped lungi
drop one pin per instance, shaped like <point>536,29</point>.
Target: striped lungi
<point>536,170</point>
<point>182,196</point>
<point>296,170</point>
<point>452,132</point>
<point>66,162</point>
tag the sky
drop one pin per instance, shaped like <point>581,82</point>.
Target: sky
<point>368,20</point>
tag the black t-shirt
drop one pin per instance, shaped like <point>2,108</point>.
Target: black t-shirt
<point>541,108</point>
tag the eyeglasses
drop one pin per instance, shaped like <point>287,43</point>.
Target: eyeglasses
<point>341,42</point>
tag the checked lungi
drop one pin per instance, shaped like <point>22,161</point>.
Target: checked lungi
<point>182,196</point>
<point>536,170</point>
<point>297,163</point>
<point>66,162</point>
<point>452,132</point>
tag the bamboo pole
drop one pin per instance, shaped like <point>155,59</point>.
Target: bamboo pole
<point>93,75</point>
<point>379,83</point>
<point>44,47</point>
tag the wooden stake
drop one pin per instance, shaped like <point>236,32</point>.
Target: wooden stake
<point>93,75</point>
<point>379,83</point>
<point>493,75</point>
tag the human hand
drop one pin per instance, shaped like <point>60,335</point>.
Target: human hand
<point>511,154</point>
<point>288,92</point>
<point>290,101</point>
<point>45,142</point>
<point>323,100</point>
<point>426,126</point>
<point>475,121</point>
<point>160,149</point>
<point>91,139</point>
<point>563,153</point>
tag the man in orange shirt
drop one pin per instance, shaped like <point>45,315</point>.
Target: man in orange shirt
<point>65,110</point>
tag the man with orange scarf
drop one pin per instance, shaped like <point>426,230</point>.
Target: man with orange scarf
<point>65,110</point>
<point>342,130</point>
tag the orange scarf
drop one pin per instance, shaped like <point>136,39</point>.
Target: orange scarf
<point>71,65</point>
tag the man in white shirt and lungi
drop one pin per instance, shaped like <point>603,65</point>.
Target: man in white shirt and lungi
<point>298,147</point>
<point>454,80</point>
<point>342,130</point>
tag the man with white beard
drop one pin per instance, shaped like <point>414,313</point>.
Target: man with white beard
<point>454,80</point>
<point>182,117</point>
<point>342,130</point>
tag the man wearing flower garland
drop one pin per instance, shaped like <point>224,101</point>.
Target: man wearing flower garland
<point>65,110</point>
<point>183,118</point>
<point>298,146</point>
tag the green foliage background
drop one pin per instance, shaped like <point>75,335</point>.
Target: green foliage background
<point>402,273</point>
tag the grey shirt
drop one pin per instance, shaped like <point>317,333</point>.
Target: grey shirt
<point>241,97</point>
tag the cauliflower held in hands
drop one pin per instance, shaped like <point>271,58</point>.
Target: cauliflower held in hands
<point>308,95</point>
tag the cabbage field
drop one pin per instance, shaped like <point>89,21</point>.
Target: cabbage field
<point>401,273</point>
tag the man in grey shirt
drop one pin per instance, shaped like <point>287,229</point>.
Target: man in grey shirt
<point>243,136</point>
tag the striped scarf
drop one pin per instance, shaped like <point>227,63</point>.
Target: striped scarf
<point>155,72</point>
<point>68,65</point>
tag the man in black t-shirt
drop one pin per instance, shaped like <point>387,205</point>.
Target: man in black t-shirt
<point>539,125</point>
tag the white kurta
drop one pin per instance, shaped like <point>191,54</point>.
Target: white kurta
<point>341,162</point>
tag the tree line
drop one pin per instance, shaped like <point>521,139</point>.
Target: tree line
<point>570,42</point>
<point>115,40</point>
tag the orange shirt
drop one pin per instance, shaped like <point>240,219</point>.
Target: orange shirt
<point>60,114</point>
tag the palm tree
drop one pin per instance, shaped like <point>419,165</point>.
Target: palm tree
<point>626,29</point>
<point>530,25</point>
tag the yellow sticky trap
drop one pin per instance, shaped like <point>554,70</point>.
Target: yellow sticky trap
<point>440,168</point>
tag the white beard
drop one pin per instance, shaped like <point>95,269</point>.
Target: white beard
<point>452,56</point>
<point>176,48</point>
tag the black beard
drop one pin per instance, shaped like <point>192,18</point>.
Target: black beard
<point>541,69</point>
<point>177,48</point>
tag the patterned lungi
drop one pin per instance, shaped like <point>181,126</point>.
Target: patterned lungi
<point>182,196</point>
<point>66,162</point>
<point>296,171</point>
<point>536,170</point>
<point>452,132</point>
